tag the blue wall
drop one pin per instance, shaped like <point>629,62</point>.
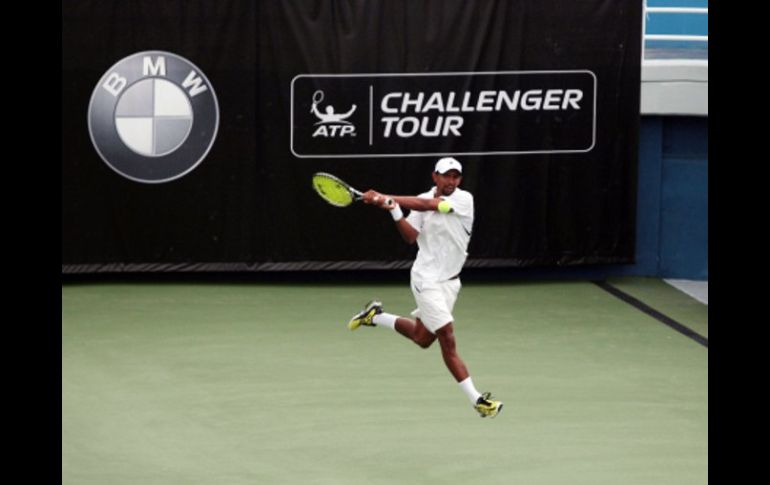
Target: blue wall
<point>672,199</point>
<point>672,226</point>
<point>672,207</point>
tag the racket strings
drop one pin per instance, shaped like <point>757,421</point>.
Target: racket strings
<point>332,190</point>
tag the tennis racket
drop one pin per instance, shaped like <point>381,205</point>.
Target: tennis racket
<point>335,191</point>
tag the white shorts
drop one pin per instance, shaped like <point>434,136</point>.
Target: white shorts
<point>435,302</point>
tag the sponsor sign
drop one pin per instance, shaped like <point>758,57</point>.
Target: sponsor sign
<point>153,117</point>
<point>399,115</point>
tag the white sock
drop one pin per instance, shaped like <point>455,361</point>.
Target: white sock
<point>470,390</point>
<point>385,320</point>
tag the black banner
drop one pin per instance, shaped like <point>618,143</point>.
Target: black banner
<point>190,130</point>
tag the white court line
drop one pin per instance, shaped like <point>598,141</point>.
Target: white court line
<point>696,289</point>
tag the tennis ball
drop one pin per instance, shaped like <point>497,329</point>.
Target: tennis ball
<point>444,207</point>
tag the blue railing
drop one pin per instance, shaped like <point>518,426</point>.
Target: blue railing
<point>676,24</point>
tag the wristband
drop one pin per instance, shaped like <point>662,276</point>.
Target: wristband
<point>396,213</point>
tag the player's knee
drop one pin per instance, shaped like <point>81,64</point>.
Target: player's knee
<point>422,336</point>
<point>424,339</point>
<point>425,343</point>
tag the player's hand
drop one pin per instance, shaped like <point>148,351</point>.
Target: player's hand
<point>373,197</point>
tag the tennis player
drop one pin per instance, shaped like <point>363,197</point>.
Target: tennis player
<point>440,222</point>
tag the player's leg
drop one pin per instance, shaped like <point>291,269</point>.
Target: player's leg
<point>454,363</point>
<point>437,309</point>
<point>482,403</point>
<point>373,316</point>
<point>415,331</point>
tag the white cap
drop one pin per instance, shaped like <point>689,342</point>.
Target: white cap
<point>448,163</point>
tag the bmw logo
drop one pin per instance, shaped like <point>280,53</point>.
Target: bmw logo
<point>153,117</point>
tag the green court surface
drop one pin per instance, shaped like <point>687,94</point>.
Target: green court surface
<point>257,383</point>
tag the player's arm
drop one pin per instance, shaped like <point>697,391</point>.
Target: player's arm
<point>416,203</point>
<point>393,204</point>
<point>407,201</point>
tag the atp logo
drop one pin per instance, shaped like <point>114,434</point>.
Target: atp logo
<point>331,124</point>
<point>153,117</point>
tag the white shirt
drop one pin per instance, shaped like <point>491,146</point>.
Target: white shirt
<point>443,238</point>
